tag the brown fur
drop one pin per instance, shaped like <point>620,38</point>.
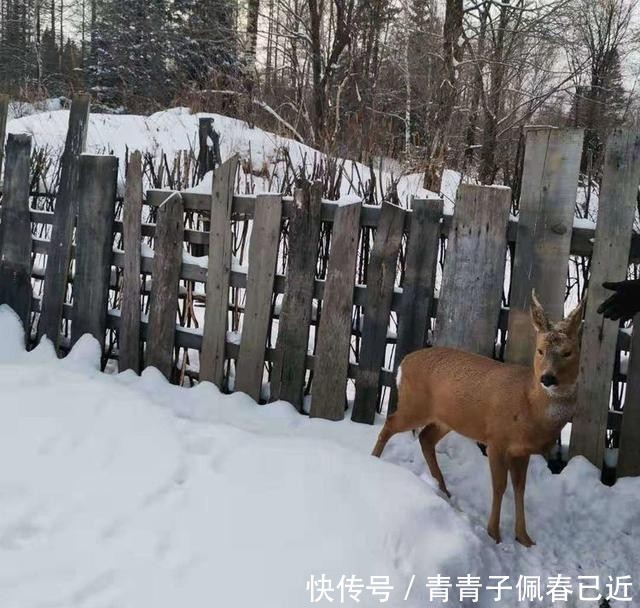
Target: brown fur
<point>501,405</point>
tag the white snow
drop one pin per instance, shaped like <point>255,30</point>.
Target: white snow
<point>174,130</point>
<point>127,491</point>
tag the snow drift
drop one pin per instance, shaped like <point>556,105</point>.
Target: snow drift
<point>174,130</point>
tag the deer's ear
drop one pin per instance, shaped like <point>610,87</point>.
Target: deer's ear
<point>538,315</point>
<point>572,324</point>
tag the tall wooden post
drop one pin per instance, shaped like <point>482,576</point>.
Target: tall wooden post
<point>629,455</point>
<point>616,210</point>
<point>15,230</point>
<point>381,274</point>
<point>473,274</point>
<point>129,332</point>
<point>334,331</point>
<point>59,252</point>
<point>163,300</point>
<point>97,183</point>
<point>212,356</point>
<point>419,281</point>
<point>288,375</point>
<point>546,211</point>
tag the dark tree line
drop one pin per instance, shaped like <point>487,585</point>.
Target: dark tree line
<point>135,54</point>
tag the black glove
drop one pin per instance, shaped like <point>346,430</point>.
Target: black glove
<point>624,303</point>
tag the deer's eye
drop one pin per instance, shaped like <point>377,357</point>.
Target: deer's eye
<point>567,354</point>
<point>540,352</point>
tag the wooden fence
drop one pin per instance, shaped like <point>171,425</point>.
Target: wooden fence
<point>312,334</point>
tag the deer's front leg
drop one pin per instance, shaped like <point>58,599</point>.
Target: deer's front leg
<point>499,469</point>
<point>518,467</point>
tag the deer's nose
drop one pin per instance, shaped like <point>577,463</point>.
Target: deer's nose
<point>548,379</point>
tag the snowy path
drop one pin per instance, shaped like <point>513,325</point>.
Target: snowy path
<point>129,492</point>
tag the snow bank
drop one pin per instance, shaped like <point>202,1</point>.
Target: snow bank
<point>174,130</point>
<point>126,491</point>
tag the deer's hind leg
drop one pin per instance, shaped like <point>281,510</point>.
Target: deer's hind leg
<point>429,437</point>
<point>392,425</point>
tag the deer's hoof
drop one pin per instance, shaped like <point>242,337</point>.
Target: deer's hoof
<point>495,534</point>
<point>525,540</point>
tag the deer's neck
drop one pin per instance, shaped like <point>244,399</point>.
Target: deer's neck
<point>555,405</point>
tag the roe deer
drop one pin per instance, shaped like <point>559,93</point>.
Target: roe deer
<point>514,410</point>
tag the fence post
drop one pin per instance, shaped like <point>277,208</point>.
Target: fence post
<point>473,275</point>
<point>616,210</point>
<point>15,230</point>
<point>4,114</point>
<point>129,330</point>
<point>381,275</point>
<point>208,156</point>
<point>629,453</point>
<point>288,374</point>
<point>543,242</point>
<point>165,280</point>
<point>331,362</point>
<point>59,252</point>
<point>97,183</point>
<point>419,281</point>
<point>212,354</point>
<point>263,256</point>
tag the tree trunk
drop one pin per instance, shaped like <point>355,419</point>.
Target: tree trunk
<point>487,171</point>
<point>448,94</point>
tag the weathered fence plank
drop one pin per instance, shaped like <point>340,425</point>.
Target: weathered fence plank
<point>616,210</point>
<point>15,230</point>
<point>263,255</point>
<point>97,183</point>
<point>56,273</point>
<point>419,280</point>
<point>334,331</point>
<point>543,243</point>
<point>381,275</point>
<point>129,343</point>
<point>473,274</point>
<point>4,113</point>
<point>629,452</point>
<point>163,300</point>
<point>212,357</point>
<point>288,375</point>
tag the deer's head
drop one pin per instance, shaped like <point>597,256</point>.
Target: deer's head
<point>557,357</point>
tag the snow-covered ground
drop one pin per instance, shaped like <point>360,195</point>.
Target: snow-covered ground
<point>175,130</point>
<point>129,492</point>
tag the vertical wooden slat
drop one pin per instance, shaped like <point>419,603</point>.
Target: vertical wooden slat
<point>419,280</point>
<point>129,344</point>
<point>97,183</point>
<point>212,356</point>
<point>4,113</point>
<point>15,229</point>
<point>288,375</point>
<point>629,453</point>
<point>381,274</point>
<point>263,255</point>
<point>334,330</point>
<point>165,280</point>
<point>547,207</point>
<point>616,210</point>
<point>473,274</point>
<point>59,253</point>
